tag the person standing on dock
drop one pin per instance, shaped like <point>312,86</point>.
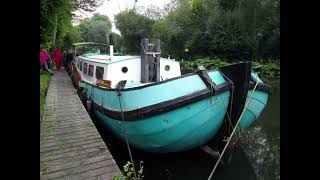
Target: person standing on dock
<point>57,56</point>
<point>44,58</point>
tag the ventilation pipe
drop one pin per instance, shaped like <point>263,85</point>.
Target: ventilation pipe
<point>111,45</point>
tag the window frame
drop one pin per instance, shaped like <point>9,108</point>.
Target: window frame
<point>85,68</point>
<point>90,73</point>
<point>99,67</point>
<point>81,64</point>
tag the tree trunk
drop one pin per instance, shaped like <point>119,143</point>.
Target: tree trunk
<point>55,31</point>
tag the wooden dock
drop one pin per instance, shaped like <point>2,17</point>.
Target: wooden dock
<point>70,145</point>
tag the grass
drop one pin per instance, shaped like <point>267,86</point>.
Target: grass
<point>43,168</point>
<point>44,84</point>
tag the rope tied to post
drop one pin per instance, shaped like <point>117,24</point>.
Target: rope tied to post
<point>234,130</point>
<point>118,89</point>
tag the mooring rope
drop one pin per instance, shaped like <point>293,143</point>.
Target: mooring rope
<point>211,93</point>
<point>232,90</point>
<point>126,134</point>
<point>234,130</point>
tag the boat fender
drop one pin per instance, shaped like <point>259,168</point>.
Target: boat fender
<point>207,149</point>
<point>83,96</point>
<point>89,105</point>
<point>120,86</point>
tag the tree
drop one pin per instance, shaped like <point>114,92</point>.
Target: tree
<point>151,12</point>
<point>133,28</point>
<point>87,5</point>
<point>56,16</point>
<point>94,29</point>
<point>73,36</point>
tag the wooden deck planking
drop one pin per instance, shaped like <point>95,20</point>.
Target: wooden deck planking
<point>70,145</point>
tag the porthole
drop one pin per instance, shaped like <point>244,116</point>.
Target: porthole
<point>167,67</point>
<point>124,69</point>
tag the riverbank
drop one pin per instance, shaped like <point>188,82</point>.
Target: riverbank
<point>269,71</point>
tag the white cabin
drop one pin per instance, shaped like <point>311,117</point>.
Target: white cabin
<point>96,66</point>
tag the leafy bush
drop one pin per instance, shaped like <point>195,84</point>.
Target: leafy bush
<point>269,71</point>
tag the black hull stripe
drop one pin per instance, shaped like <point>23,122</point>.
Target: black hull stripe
<point>162,107</point>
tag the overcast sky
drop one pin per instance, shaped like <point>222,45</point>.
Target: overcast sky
<point>113,7</point>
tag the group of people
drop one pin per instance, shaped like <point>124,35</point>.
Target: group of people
<point>46,59</point>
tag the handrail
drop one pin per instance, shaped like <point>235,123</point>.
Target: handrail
<point>89,43</point>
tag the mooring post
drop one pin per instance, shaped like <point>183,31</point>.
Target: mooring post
<point>144,60</point>
<point>157,59</point>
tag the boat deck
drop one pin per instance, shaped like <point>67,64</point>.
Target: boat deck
<point>70,145</point>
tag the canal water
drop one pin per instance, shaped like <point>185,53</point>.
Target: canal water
<point>257,156</point>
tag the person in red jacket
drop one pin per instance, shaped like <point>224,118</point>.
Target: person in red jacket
<point>57,55</point>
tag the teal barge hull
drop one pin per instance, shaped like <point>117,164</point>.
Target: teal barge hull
<point>257,100</point>
<point>179,130</point>
<point>169,116</point>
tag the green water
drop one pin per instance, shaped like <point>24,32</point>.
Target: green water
<point>256,158</point>
<point>261,143</point>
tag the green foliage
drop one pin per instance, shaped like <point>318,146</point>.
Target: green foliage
<point>133,27</point>
<point>268,71</point>
<point>73,36</point>
<point>117,42</point>
<point>94,29</point>
<point>87,5</point>
<point>43,168</point>
<point>129,172</point>
<point>55,19</point>
<point>233,29</point>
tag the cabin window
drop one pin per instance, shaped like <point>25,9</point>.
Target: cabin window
<point>99,72</point>
<point>85,68</point>
<point>167,68</point>
<point>124,69</point>
<point>80,66</point>
<point>90,73</point>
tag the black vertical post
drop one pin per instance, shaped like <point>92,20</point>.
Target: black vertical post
<point>240,75</point>
<point>110,39</point>
<point>144,60</point>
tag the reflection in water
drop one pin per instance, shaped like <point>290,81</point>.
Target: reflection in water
<point>264,157</point>
<point>257,157</point>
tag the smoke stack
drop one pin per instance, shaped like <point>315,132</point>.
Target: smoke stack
<point>111,44</point>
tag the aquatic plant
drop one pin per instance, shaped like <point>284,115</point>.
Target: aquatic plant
<point>129,172</point>
<point>268,70</point>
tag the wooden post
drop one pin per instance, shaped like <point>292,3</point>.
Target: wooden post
<point>144,60</point>
<point>157,59</point>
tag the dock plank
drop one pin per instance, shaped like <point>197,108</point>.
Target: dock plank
<point>70,145</point>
